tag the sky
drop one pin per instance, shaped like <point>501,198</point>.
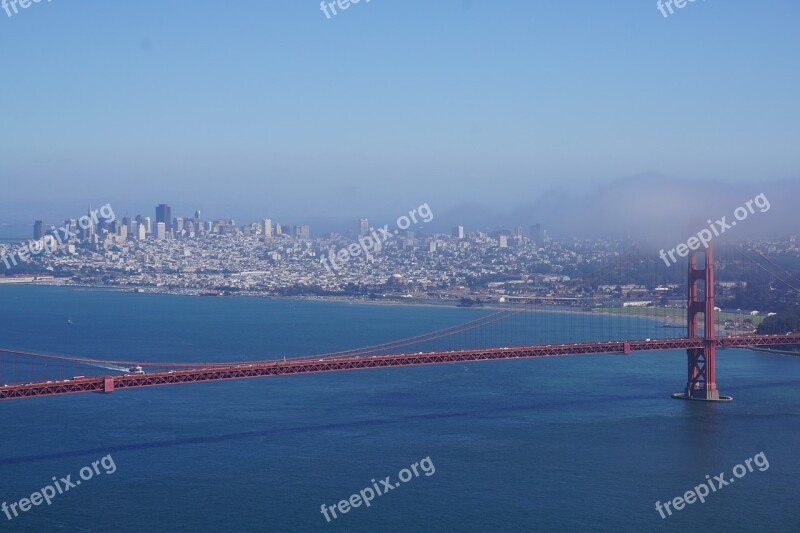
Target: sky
<point>492,112</point>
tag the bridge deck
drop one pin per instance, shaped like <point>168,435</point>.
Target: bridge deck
<point>334,364</point>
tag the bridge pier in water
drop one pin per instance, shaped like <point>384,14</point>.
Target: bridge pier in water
<point>702,373</point>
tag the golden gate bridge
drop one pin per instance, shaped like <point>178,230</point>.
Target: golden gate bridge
<point>591,331</point>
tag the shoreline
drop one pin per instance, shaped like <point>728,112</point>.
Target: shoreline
<point>422,302</point>
<point>675,322</point>
<point>396,301</point>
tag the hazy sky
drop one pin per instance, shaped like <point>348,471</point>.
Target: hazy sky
<point>267,108</point>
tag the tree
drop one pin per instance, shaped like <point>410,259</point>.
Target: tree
<point>784,322</point>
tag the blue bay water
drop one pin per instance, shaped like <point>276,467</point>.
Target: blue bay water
<point>557,444</point>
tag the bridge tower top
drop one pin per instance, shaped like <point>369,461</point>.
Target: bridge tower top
<point>695,306</point>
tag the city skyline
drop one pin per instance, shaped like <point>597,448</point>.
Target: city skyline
<point>168,227</point>
<point>653,209</point>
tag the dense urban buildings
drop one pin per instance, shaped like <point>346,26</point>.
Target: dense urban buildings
<point>196,256</point>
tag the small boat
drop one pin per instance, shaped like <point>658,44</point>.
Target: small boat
<point>136,370</point>
<point>69,321</point>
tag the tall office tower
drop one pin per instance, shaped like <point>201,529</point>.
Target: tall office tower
<point>164,214</point>
<point>115,226</point>
<point>148,225</point>
<point>178,225</point>
<point>302,231</point>
<point>537,234</point>
<point>140,219</point>
<point>363,227</point>
<point>87,232</point>
<point>72,226</point>
<point>267,231</point>
<point>38,230</point>
<point>142,233</point>
<point>278,229</point>
<point>197,215</point>
<point>503,241</point>
<point>519,236</point>
<point>127,222</point>
<point>458,232</point>
<point>161,231</point>
<point>122,233</point>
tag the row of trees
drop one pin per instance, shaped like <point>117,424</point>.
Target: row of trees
<point>784,322</point>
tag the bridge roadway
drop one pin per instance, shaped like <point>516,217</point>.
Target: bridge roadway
<point>107,384</point>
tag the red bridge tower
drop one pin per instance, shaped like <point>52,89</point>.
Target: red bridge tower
<point>702,379</point>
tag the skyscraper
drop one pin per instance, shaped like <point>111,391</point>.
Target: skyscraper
<point>164,214</point>
<point>88,231</point>
<point>38,230</point>
<point>363,227</point>
<point>302,231</point>
<point>161,231</point>
<point>458,232</point>
<point>72,226</point>
<point>537,234</point>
